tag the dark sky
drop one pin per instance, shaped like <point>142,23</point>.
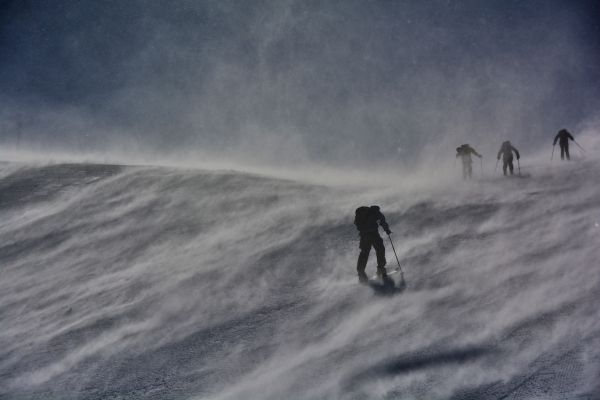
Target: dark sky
<point>332,81</point>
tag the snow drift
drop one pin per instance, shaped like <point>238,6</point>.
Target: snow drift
<point>164,283</point>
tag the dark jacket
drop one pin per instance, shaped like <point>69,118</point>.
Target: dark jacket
<point>506,150</point>
<point>366,219</point>
<point>564,137</point>
<point>465,152</point>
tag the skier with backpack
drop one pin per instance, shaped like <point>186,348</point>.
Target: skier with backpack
<point>464,152</point>
<point>367,221</point>
<point>506,150</point>
<point>562,137</point>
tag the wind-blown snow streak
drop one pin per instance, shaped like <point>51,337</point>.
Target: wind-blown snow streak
<point>158,283</point>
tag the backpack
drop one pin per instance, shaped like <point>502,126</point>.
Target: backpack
<point>361,216</point>
<point>463,149</point>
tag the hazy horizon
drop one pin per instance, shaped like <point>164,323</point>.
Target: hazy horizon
<point>294,83</point>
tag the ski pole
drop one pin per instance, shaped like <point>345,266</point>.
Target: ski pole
<point>552,156</point>
<point>578,145</point>
<point>481,165</point>
<point>519,165</point>
<point>496,167</point>
<point>399,267</point>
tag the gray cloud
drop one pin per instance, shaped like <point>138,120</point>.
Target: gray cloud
<point>346,82</point>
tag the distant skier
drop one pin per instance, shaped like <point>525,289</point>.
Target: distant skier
<point>464,152</point>
<point>366,220</point>
<point>506,150</point>
<point>564,137</point>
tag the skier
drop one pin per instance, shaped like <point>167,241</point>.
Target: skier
<point>366,219</point>
<point>564,137</point>
<point>464,152</point>
<point>506,151</point>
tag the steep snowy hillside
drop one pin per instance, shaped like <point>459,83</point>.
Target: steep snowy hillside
<point>155,283</point>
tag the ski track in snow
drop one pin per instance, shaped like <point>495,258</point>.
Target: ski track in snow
<point>156,283</point>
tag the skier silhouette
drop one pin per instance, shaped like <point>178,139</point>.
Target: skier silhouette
<point>506,151</point>
<point>564,137</point>
<point>366,220</point>
<point>464,152</point>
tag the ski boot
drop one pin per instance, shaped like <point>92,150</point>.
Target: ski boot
<point>381,272</point>
<point>363,278</point>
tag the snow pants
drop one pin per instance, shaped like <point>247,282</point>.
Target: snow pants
<point>467,169</point>
<point>564,149</point>
<point>368,240</point>
<point>507,163</point>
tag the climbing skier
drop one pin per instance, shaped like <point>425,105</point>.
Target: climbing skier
<point>506,150</point>
<point>564,136</point>
<point>464,152</point>
<point>366,220</point>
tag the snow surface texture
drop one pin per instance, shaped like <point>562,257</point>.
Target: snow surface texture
<point>157,283</point>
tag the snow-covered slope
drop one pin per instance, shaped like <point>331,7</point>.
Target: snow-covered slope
<point>156,283</point>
